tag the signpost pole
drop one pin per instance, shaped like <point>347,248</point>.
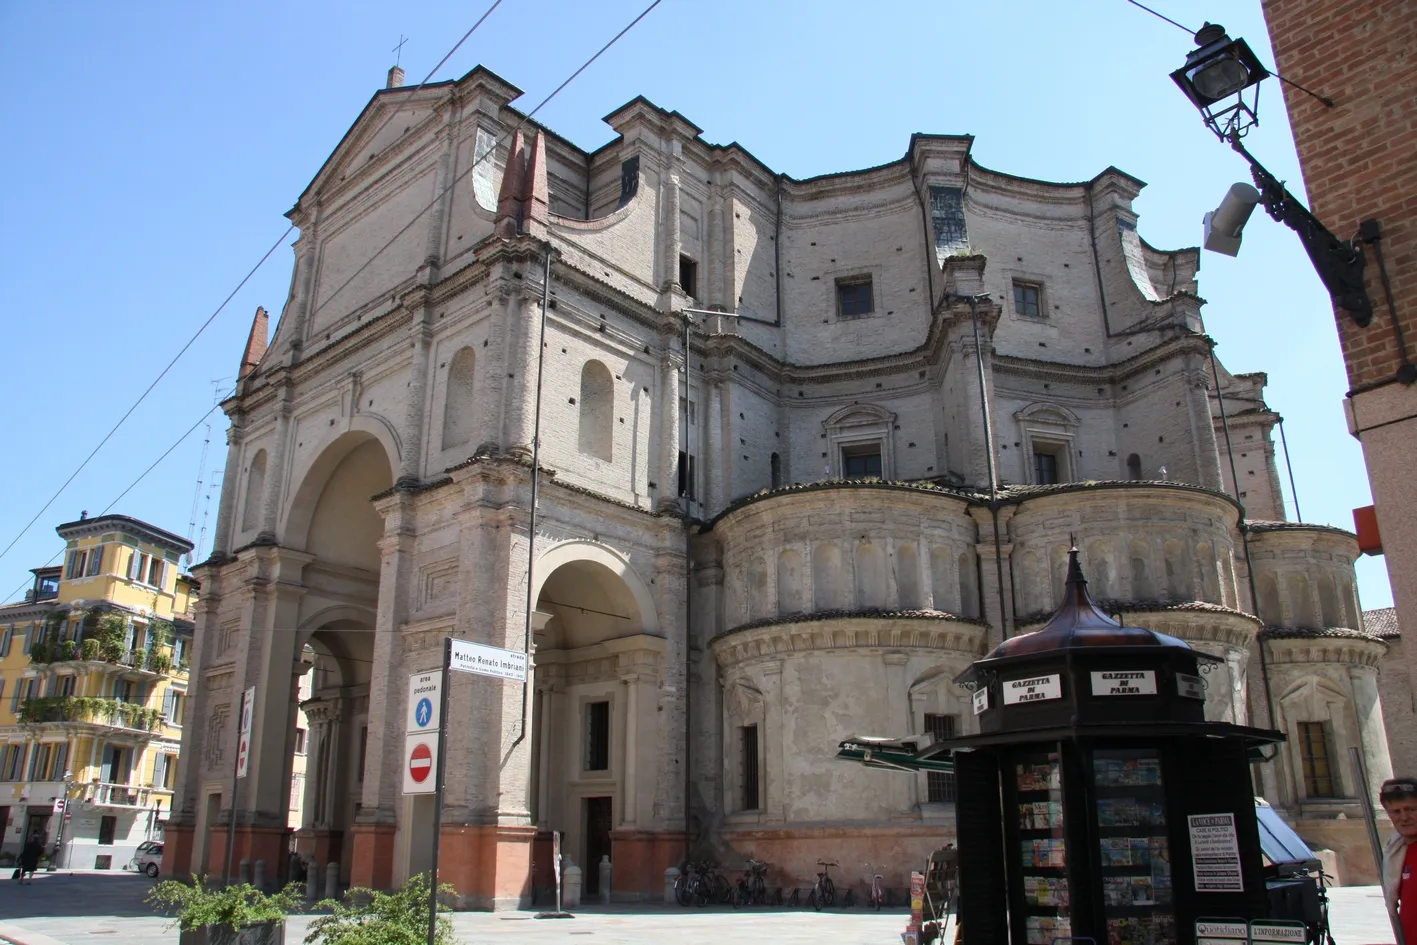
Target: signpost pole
<point>243,730</point>
<point>438,792</point>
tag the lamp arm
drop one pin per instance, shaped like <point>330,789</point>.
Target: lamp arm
<point>1339,263</point>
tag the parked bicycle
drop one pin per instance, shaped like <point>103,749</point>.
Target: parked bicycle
<point>875,890</point>
<point>700,884</point>
<point>824,890</point>
<point>752,885</point>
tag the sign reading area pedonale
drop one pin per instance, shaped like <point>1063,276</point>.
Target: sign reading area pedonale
<point>1124,683</point>
<point>488,661</point>
<point>1033,689</point>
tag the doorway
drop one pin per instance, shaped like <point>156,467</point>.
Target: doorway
<point>597,841</point>
<point>37,824</point>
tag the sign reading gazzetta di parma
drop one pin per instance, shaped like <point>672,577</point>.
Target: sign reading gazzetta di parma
<point>488,661</point>
<point>1138,682</point>
<point>1033,689</point>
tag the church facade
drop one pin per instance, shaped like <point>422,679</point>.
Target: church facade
<point>798,528</point>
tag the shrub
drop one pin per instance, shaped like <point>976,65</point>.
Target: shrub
<point>366,917</point>
<point>89,649</point>
<point>195,906</point>
<point>68,649</point>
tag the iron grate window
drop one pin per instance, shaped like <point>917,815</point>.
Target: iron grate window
<point>750,767</point>
<point>597,737</point>
<point>940,785</point>
<point>1313,753</point>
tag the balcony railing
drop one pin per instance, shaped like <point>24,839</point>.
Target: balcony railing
<point>91,710</point>
<point>159,662</point>
<point>124,795</point>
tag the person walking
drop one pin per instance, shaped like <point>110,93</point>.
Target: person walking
<point>29,859</point>
<point>1399,798</point>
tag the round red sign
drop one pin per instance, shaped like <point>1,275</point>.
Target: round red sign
<point>420,762</point>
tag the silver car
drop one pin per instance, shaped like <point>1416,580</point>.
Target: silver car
<point>148,858</point>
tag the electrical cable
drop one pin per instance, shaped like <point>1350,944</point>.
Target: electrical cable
<point>1161,16</point>
<point>212,317</point>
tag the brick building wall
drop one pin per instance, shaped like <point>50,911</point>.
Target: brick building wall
<point>1359,160</point>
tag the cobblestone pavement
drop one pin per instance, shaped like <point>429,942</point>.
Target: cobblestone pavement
<point>107,909</point>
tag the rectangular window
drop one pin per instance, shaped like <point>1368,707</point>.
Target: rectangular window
<point>107,827</point>
<point>39,762</point>
<point>59,764</point>
<point>95,561</point>
<point>78,564</point>
<point>14,763</point>
<point>164,770</point>
<point>297,790</point>
<point>64,686</point>
<point>940,785</point>
<point>861,462</point>
<point>300,741</point>
<point>597,736</point>
<point>363,750</point>
<point>629,178</point>
<point>155,572</point>
<point>1313,753</point>
<point>173,701</point>
<point>1045,468</point>
<point>1028,298</point>
<point>688,276</point>
<point>750,767</point>
<point>688,477</point>
<point>854,298</point>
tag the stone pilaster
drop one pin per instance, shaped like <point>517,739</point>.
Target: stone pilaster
<point>669,433</point>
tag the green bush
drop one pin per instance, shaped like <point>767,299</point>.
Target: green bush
<point>68,649</point>
<point>366,917</point>
<point>195,906</point>
<point>89,649</point>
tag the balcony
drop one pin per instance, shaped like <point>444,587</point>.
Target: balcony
<point>136,663</point>
<point>127,796</point>
<point>91,711</point>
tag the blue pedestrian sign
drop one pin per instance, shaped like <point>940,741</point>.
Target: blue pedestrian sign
<point>425,692</point>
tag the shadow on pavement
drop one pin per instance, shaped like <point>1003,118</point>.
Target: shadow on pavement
<point>63,893</point>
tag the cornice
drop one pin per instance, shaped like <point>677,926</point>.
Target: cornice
<point>851,630</point>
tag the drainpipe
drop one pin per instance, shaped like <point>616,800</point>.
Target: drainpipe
<point>1244,541</point>
<point>1097,265</point>
<point>688,595</point>
<point>993,473</point>
<point>535,481</point>
<point>777,250</point>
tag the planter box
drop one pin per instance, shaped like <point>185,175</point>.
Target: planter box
<point>264,933</point>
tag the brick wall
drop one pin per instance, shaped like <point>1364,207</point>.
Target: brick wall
<point>1358,157</point>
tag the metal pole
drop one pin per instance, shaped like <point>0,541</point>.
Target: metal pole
<point>1293,490</point>
<point>989,458</point>
<point>1360,774</point>
<point>235,786</point>
<point>438,780</point>
<point>59,844</point>
<point>688,605</point>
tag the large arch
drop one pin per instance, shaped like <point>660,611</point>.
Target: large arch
<point>315,475</point>
<point>581,549</point>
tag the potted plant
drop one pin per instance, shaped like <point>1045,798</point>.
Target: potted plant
<point>89,649</point>
<point>367,917</point>
<point>68,649</point>
<point>229,915</point>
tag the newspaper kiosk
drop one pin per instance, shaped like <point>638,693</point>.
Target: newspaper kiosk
<point>1096,803</point>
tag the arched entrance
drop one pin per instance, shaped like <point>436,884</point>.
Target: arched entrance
<point>597,730</point>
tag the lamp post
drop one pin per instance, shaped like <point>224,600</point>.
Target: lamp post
<point>63,820</point>
<point>1221,77</point>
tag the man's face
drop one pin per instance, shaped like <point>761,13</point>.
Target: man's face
<point>1402,811</point>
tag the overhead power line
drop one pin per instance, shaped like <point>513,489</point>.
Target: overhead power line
<point>1161,16</point>
<point>212,317</point>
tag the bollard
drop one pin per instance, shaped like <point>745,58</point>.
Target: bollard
<point>332,879</point>
<point>572,884</point>
<point>604,877</point>
<point>312,880</point>
<point>258,876</point>
<point>243,872</point>
<point>671,876</point>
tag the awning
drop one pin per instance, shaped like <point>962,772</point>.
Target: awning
<point>893,754</point>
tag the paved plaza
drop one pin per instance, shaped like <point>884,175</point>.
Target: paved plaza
<point>107,909</point>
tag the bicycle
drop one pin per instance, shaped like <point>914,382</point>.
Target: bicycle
<point>875,891</point>
<point>824,890</point>
<point>752,886</point>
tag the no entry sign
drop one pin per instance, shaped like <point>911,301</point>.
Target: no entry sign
<point>420,754</point>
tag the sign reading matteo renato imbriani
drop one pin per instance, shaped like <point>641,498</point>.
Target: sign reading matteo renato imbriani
<point>1033,689</point>
<point>1131,682</point>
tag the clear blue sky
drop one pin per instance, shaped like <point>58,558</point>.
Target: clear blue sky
<point>154,148</point>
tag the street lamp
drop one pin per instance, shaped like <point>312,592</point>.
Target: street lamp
<point>1216,77</point>
<point>54,863</point>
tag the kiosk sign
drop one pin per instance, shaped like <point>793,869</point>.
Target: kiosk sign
<point>1191,687</point>
<point>1034,689</point>
<point>1278,930</point>
<point>1221,931</point>
<point>981,699</point>
<point>1215,853</point>
<point>1125,683</point>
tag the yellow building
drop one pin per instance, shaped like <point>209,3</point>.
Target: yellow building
<point>93,685</point>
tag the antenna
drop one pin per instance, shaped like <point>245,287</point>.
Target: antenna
<point>201,466</point>
<point>206,510</point>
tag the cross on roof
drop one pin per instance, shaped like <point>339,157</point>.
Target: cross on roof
<point>398,50</point>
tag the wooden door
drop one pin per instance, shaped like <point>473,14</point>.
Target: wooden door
<point>597,841</point>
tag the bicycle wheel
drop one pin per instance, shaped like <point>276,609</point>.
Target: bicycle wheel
<point>828,890</point>
<point>722,889</point>
<point>681,890</point>
<point>701,892</point>
<point>814,900</point>
<point>878,897</point>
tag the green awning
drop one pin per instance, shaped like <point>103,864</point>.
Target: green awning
<point>892,754</point>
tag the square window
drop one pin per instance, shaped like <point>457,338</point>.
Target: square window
<point>861,462</point>
<point>1313,753</point>
<point>597,740</point>
<point>1028,299</point>
<point>854,298</point>
<point>688,275</point>
<point>1045,468</point>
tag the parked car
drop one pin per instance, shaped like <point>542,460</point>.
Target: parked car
<point>148,858</point>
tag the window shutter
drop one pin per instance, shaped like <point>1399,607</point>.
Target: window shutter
<point>157,572</point>
<point>69,568</point>
<point>5,642</point>
<point>133,565</point>
<point>2,687</point>
<point>95,560</point>
<point>167,705</point>
<point>61,762</point>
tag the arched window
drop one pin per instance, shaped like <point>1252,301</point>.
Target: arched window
<point>459,418</point>
<point>1134,466</point>
<point>255,493</point>
<point>597,404</point>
